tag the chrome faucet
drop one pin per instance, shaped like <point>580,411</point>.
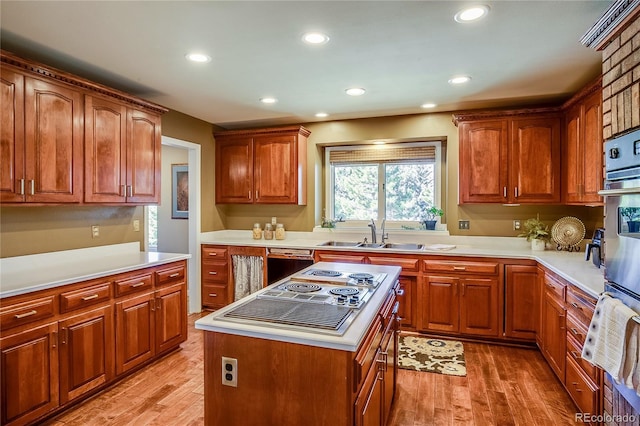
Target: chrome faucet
<point>384,236</point>
<point>372,225</point>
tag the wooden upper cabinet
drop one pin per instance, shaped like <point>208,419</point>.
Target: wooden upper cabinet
<point>69,140</point>
<point>509,157</point>
<point>41,141</point>
<point>122,153</point>
<point>265,166</point>
<point>583,147</point>
<point>535,160</point>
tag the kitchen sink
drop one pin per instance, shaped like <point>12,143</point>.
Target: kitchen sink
<point>341,244</point>
<point>404,246</point>
<point>371,245</point>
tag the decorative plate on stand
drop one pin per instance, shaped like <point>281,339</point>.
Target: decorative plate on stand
<point>567,233</point>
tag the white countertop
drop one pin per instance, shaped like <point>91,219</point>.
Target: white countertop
<point>25,274</point>
<point>349,341</point>
<point>570,266</point>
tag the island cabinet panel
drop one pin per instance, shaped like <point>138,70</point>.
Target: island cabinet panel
<point>369,409</point>
<point>522,301</point>
<point>29,368</point>
<point>510,156</point>
<point>11,136</point>
<point>408,284</point>
<point>86,352</point>
<point>262,166</point>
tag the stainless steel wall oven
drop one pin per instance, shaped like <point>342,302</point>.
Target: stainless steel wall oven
<point>622,226</point>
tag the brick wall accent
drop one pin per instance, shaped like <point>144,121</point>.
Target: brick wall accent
<point>621,82</point>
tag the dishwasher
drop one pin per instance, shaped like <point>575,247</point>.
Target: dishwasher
<point>282,262</point>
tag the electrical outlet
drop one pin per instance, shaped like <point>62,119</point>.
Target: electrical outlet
<point>229,372</point>
<point>463,224</point>
<point>136,225</point>
<point>95,231</point>
<point>516,225</point>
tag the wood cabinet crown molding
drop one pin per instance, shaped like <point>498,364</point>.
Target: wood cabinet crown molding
<point>59,75</point>
<point>611,23</point>
<point>460,117</point>
<point>265,131</point>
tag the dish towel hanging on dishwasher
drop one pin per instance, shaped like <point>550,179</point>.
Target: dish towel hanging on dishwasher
<point>247,274</point>
<point>612,341</point>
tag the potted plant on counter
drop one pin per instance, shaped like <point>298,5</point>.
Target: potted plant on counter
<point>536,232</point>
<point>430,217</point>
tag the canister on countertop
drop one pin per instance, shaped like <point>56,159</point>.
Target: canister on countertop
<point>280,232</point>
<point>268,231</point>
<point>257,231</point>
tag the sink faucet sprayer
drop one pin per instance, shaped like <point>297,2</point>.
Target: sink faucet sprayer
<point>372,225</point>
<point>384,236</point>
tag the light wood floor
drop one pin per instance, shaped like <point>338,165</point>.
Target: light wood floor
<point>503,386</point>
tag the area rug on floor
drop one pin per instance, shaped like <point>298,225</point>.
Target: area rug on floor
<point>431,355</point>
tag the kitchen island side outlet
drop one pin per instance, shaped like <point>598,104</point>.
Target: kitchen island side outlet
<point>316,348</point>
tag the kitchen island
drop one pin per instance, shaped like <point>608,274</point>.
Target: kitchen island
<point>264,372</point>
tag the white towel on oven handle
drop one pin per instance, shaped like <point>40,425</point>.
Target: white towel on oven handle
<point>608,338</point>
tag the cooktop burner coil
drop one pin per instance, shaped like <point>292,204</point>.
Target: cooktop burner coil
<point>324,273</point>
<point>361,277</point>
<point>301,287</point>
<point>344,291</point>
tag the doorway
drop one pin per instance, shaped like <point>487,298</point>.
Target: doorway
<point>181,235</point>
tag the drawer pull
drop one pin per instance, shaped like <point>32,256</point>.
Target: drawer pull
<point>213,294</point>
<point>575,355</point>
<point>551,286</point>
<point>459,268</point>
<point>575,332</point>
<point>137,285</point>
<point>213,273</point>
<point>177,274</point>
<point>26,314</point>
<point>93,296</point>
<point>213,254</point>
<point>400,292</point>
<point>575,305</point>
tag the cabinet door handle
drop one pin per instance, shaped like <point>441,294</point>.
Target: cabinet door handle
<point>213,294</point>
<point>463,286</point>
<point>256,195</point>
<point>63,335</point>
<point>504,191</point>
<point>93,296</point>
<point>213,254</point>
<point>21,186</point>
<point>54,340</point>
<point>122,191</point>
<point>33,187</point>
<point>137,285</point>
<point>158,303</point>
<point>26,314</point>
<point>459,268</point>
<point>177,274</point>
<point>515,191</point>
<point>455,289</point>
<point>213,273</point>
<point>130,188</point>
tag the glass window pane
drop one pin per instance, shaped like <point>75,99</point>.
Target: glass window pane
<point>355,192</point>
<point>408,186</point>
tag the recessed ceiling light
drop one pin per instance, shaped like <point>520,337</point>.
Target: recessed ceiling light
<point>471,13</point>
<point>198,57</point>
<point>322,115</point>
<point>355,91</point>
<point>379,142</point>
<point>460,79</point>
<point>315,38</point>
<point>428,105</point>
<point>268,100</point>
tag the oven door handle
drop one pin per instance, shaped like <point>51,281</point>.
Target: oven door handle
<point>620,191</point>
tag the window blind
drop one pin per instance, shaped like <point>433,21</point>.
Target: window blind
<point>425,154</point>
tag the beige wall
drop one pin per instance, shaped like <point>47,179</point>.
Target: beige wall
<point>27,230</point>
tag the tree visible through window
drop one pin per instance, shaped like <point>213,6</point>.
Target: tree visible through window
<point>392,188</point>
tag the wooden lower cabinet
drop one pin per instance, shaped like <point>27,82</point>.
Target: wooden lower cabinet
<point>29,369</point>
<point>553,334</point>
<point>440,304</point>
<point>406,296</point>
<point>59,345</point>
<point>86,352</point>
<point>369,402</point>
<point>521,301</point>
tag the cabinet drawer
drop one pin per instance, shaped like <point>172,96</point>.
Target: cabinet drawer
<point>133,284</point>
<point>576,329</point>
<point>171,275</point>
<point>554,287</point>
<point>26,312</point>
<point>215,272</point>
<point>582,391</point>
<point>336,257</point>
<point>85,297</point>
<point>488,268</point>
<point>214,253</point>
<point>574,351</point>
<point>214,295</point>
<point>407,265</point>
<point>579,307</point>
<point>367,352</point>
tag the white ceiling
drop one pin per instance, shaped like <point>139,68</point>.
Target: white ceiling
<point>402,52</point>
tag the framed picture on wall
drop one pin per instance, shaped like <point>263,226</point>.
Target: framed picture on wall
<point>179,191</point>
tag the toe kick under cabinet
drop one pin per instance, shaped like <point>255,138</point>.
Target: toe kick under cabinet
<point>62,344</point>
